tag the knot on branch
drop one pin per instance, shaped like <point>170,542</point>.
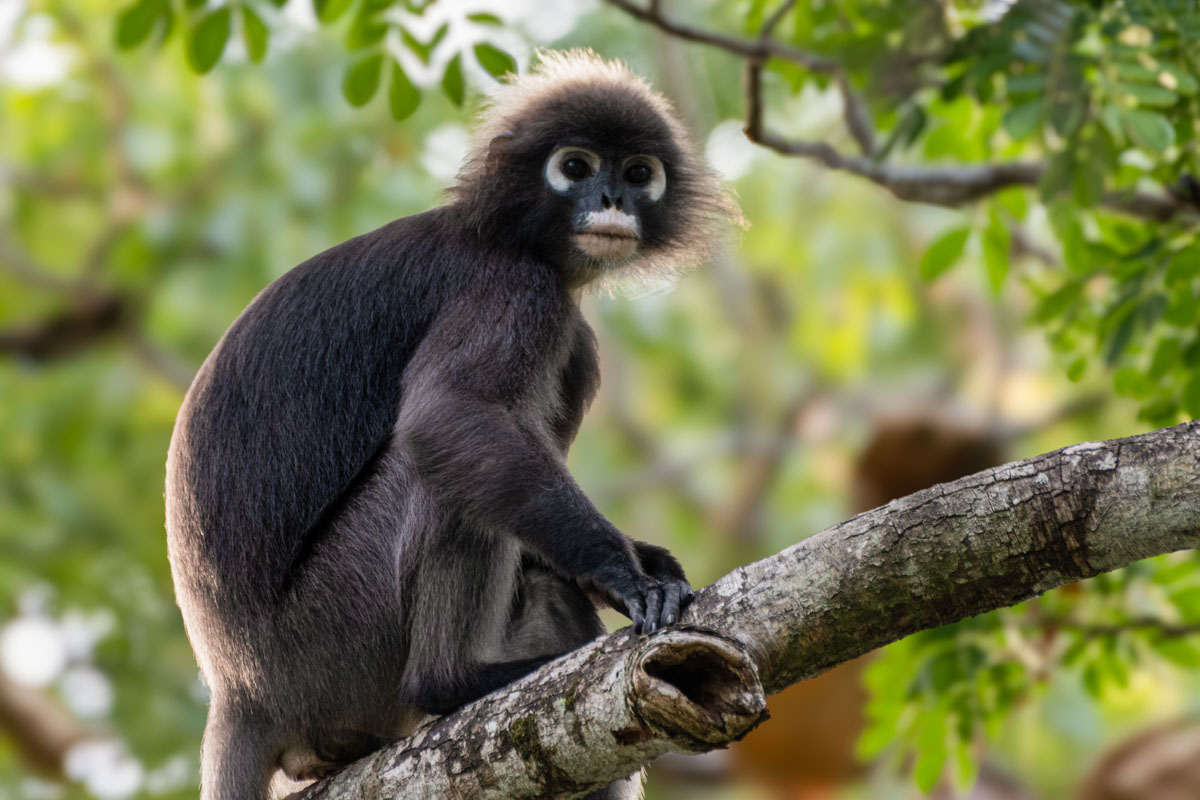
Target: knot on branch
<point>696,688</point>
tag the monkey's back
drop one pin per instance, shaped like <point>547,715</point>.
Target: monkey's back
<point>291,409</point>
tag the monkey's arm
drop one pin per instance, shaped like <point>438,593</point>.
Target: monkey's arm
<point>580,380</point>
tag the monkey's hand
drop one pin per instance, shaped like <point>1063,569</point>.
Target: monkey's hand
<point>677,594</point>
<point>652,596</point>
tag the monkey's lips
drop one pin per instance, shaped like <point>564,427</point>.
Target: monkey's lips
<point>607,242</point>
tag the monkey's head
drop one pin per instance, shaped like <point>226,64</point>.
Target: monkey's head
<point>581,162</point>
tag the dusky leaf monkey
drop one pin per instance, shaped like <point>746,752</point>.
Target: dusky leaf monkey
<point>369,512</point>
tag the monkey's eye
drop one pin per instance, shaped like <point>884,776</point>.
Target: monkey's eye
<point>638,174</point>
<point>576,168</point>
<point>646,172</point>
<point>569,165</point>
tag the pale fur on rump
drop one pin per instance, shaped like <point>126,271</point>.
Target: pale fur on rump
<point>707,210</point>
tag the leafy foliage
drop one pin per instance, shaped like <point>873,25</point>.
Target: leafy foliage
<point>207,27</point>
<point>939,694</point>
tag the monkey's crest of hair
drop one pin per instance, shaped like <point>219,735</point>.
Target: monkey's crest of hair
<point>702,212</point>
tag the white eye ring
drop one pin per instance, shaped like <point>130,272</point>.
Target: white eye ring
<point>554,174</point>
<point>657,184</point>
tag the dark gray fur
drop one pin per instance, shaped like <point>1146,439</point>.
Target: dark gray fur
<point>368,509</point>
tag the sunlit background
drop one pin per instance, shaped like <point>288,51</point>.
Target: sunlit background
<point>805,375</point>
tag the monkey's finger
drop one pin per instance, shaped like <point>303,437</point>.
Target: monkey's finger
<point>687,596</point>
<point>654,602</point>
<point>636,612</point>
<point>670,611</point>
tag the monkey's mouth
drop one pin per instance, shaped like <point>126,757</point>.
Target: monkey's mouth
<point>607,242</point>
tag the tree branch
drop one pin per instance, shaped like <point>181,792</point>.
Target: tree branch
<point>41,732</point>
<point>943,554</point>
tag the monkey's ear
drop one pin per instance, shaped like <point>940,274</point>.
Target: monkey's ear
<point>495,154</point>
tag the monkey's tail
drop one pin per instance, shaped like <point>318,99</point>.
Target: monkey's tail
<point>235,760</point>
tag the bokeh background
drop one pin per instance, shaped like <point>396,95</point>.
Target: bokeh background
<point>808,373</point>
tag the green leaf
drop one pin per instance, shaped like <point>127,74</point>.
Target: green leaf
<point>1058,175</point>
<point>1190,399</point>
<point>1151,95</point>
<point>1179,651</point>
<point>1148,129</point>
<point>485,19</point>
<point>996,243</point>
<point>1077,369</point>
<point>497,62</point>
<point>423,50</point>
<point>1178,79</point>
<point>1026,83</point>
<point>1093,678</point>
<point>135,23</point>
<point>1134,71</point>
<point>1067,115</point>
<point>254,32</point>
<point>1187,600</point>
<point>1120,337</point>
<point>1183,309</point>
<point>931,752</point>
<point>362,80</point>
<point>329,10</point>
<point>942,254</point>
<point>1166,356</point>
<point>1021,121</point>
<point>1130,382</point>
<point>1014,200</point>
<point>206,41</point>
<point>1184,265</point>
<point>875,739</point>
<point>1174,571</point>
<point>365,30</point>
<point>1057,303</point>
<point>967,769</point>
<point>1162,413</point>
<point>905,132</point>
<point>452,81</point>
<point>403,97</point>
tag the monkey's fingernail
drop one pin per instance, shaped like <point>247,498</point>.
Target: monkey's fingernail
<point>670,618</point>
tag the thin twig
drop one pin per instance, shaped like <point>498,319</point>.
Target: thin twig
<point>1168,630</point>
<point>858,118</point>
<point>768,27</point>
<point>754,49</point>
<point>741,517</point>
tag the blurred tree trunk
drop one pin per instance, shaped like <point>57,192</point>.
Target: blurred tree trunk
<point>943,554</point>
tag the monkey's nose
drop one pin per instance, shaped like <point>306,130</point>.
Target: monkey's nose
<point>609,202</point>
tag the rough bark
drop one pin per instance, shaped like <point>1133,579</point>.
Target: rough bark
<point>940,555</point>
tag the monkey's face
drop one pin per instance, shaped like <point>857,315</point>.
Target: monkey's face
<point>587,168</point>
<point>607,197</point>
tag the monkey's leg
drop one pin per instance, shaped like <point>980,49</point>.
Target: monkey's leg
<point>511,615</point>
<point>550,611</point>
<point>236,759</point>
<point>628,789</point>
<point>477,680</point>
